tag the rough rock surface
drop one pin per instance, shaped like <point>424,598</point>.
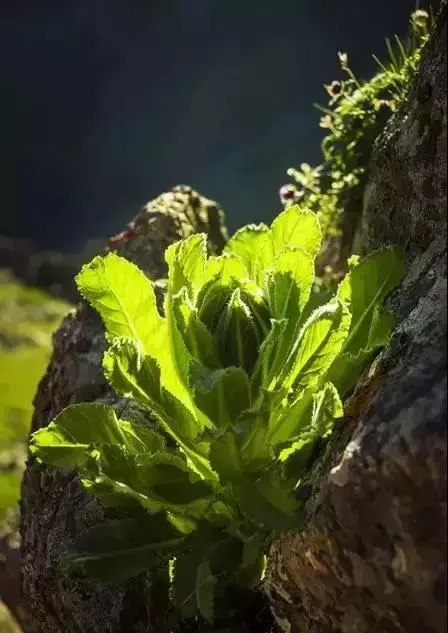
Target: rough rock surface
<point>373,555</point>
<point>55,508</point>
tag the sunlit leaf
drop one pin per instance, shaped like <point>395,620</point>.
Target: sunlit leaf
<point>123,296</point>
<point>65,442</point>
<point>116,550</point>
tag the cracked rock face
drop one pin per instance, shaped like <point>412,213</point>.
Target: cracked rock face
<point>373,555</point>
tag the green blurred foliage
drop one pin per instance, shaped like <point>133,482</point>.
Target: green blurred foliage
<point>28,317</point>
<point>7,622</point>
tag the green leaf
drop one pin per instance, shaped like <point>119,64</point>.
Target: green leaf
<point>318,345</point>
<point>263,373</point>
<point>297,459</point>
<point>164,467</point>
<point>124,298</point>
<point>141,438</point>
<point>116,550</point>
<point>309,417</point>
<point>116,494</point>
<point>252,244</point>
<point>211,303</point>
<point>185,573</point>
<point>226,555</point>
<point>347,368</point>
<point>185,524</point>
<point>176,360</point>
<point>161,481</point>
<point>183,493</point>
<point>254,549</point>
<point>326,408</point>
<point>225,270</point>
<point>222,394</point>
<point>254,448</point>
<point>289,283</point>
<point>381,328</point>
<point>66,441</point>
<point>186,260</point>
<point>291,420</point>
<point>130,375</point>
<point>296,227</point>
<point>225,457</point>
<point>198,340</point>
<point>205,591</point>
<point>117,476</point>
<point>267,502</point>
<point>364,289</point>
<point>257,245</point>
<point>288,288</point>
<point>238,336</point>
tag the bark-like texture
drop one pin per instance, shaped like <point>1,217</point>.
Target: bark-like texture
<point>55,508</point>
<point>373,556</point>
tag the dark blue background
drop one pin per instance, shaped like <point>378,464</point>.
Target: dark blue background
<point>106,103</point>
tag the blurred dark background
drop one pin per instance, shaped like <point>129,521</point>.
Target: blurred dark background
<point>107,103</point>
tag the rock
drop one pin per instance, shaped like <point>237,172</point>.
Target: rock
<point>373,555</point>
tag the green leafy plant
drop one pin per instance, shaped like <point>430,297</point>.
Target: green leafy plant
<point>356,114</point>
<point>242,377</point>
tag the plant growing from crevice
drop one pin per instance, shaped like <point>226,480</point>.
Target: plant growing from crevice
<point>241,376</point>
<point>356,113</point>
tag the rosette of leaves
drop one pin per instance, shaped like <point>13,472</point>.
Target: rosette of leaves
<point>242,377</point>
